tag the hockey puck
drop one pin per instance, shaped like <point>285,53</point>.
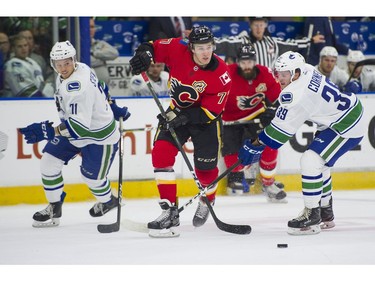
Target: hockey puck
<point>282,245</point>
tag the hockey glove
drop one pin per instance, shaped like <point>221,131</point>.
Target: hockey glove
<point>37,132</point>
<point>175,120</point>
<point>267,116</point>
<point>142,58</point>
<point>249,153</point>
<point>119,111</point>
<point>353,87</point>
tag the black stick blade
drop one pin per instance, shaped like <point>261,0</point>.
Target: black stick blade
<point>108,228</point>
<point>231,228</point>
<point>236,229</point>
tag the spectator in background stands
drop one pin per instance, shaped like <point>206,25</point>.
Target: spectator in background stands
<point>321,26</point>
<point>267,48</point>
<point>169,27</point>
<point>23,76</point>
<point>362,74</point>
<point>101,51</point>
<point>328,67</point>
<point>4,56</point>
<point>159,80</point>
<point>47,71</point>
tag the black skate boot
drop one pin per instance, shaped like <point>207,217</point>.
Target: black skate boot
<point>306,223</point>
<point>202,213</point>
<point>169,217</point>
<point>236,184</point>
<point>279,184</point>
<point>100,209</point>
<point>274,194</point>
<point>50,216</point>
<point>326,213</point>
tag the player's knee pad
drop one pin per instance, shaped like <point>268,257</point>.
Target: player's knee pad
<point>311,163</point>
<point>163,154</point>
<point>50,165</point>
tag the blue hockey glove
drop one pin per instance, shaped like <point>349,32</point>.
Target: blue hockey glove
<point>119,111</point>
<point>353,87</point>
<point>249,153</point>
<point>37,132</point>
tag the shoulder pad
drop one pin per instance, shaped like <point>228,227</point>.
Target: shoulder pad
<point>286,98</point>
<point>73,86</point>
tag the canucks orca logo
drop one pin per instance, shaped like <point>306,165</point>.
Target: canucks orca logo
<point>286,97</point>
<point>73,86</point>
<point>183,95</point>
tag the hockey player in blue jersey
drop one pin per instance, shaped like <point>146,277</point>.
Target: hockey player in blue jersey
<point>88,127</point>
<point>309,95</point>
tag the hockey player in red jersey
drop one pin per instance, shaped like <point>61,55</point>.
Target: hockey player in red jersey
<point>254,94</point>
<point>199,88</point>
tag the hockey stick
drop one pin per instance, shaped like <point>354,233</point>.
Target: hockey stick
<point>361,63</point>
<point>142,227</point>
<point>236,229</point>
<point>113,227</point>
<point>139,129</point>
<point>238,122</point>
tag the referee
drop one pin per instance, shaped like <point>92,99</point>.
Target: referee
<point>267,48</point>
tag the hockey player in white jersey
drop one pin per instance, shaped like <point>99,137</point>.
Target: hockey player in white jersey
<point>363,75</point>
<point>328,67</point>
<point>158,78</point>
<point>23,76</point>
<point>87,127</point>
<point>309,95</point>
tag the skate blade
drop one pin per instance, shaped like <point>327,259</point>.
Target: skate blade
<point>234,192</point>
<point>327,225</point>
<point>163,233</point>
<point>274,200</point>
<point>49,223</point>
<point>313,229</point>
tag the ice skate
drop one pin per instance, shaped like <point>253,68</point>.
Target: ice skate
<point>161,227</point>
<point>279,184</point>
<point>250,174</point>
<point>274,194</point>
<point>48,217</point>
<point>327,216</point>
<point>202,213</point>
<point>237,184</point>
<point>306,223</point>
<point>100,209</point>
<point>235,189</point>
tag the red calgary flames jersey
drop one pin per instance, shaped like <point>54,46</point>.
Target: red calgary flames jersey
<point>190,85</point>
<point>245,99</point>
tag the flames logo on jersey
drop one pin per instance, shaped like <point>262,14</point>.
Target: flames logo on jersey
<point>184,95</point>
<point>246,102</point>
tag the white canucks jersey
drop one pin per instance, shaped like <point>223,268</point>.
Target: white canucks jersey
<point>84,109</point>
<point>367,79</point>
<point>139,88</point>
<point>22,78</point>
<point>338,76</point>
<point>313,97</point>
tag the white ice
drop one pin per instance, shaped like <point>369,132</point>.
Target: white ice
<point>77,242</point>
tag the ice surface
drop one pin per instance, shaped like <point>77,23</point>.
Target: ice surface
<point>77,242</point>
